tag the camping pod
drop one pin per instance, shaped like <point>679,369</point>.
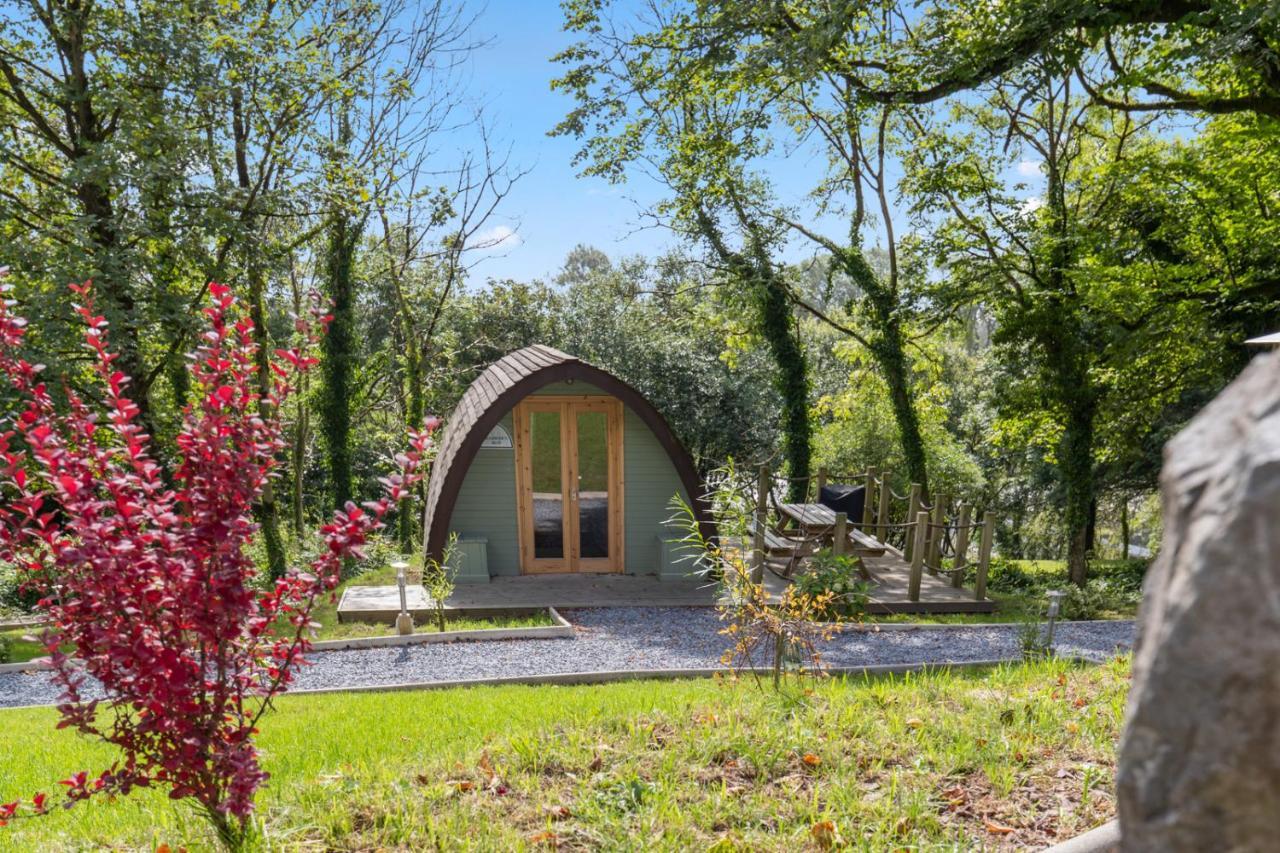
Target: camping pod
<point>552,465</point>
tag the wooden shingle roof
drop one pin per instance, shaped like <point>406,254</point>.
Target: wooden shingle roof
<point>494,392</point>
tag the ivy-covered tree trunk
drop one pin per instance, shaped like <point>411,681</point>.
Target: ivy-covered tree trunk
<point>339,342</point>
<point>770,298</point>
<point>777,324</point>
<point>339,346</point>
<point>1076,463</point>
<point>415,411</point>
<point>888,348</point>
<point>267,510</point>
<point>1065,349</point>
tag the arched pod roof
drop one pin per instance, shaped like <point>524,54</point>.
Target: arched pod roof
<point>495,391</point>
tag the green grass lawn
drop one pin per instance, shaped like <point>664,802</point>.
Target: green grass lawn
<point>1011,757</point>
<point>20,645</point>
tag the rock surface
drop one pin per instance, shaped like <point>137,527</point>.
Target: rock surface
<point>1200,757</point>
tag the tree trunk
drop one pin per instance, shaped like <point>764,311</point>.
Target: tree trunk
<point>776,323</point>
<point>888,348</point>
<point>112,282</point>
<point>339,343</point>
<point>267,512</point>
<point>1124,527</point>
<point>893,365</point>
<point>1076,464</point>
<point>415,410</point>
<point>778,327</point>
<point>339,356</point>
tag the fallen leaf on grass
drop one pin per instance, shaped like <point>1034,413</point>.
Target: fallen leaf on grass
<point>545,837</point>
<point>558,812</point>
<point>596,763</point>
<point>915,723</point>
<point>811,760</point>
<point>1072,726</point>
<point>996,828</point>
<point>824,834</point>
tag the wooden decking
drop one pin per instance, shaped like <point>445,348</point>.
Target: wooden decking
<point>504,594</point>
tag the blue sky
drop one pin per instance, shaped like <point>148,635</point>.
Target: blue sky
<point>550,210</point>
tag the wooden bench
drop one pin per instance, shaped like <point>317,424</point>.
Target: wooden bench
<point>865,544</point>
<point>818,518</point>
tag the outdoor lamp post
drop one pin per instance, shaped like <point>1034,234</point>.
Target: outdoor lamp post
<point>404,621</point>
<point>1055,605</point>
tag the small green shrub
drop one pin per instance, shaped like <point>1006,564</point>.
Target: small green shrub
<point>1007,576</point>
<point>5,649</point>
<point>1032,640</point>
<point>1099,596</point>
<point>1122,576</point>
<point>13,595</point>
<point>840,576</point>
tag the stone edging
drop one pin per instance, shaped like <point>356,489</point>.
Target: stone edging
<point>1102,839</point>
<point>612,675</point>
<point>560,630</point>
<point>24,666</point>
<point>874,627</point>
<point>19,624</point>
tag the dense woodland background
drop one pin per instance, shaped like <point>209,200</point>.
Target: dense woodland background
<point>916,309</point>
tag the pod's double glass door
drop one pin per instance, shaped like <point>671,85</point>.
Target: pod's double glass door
<point>569,484</point>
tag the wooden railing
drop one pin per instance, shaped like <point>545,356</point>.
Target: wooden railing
<point>924,534</point>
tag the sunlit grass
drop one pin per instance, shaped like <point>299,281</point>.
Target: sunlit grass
<point>944,758</point>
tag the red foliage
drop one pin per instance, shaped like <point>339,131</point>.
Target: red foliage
<point>150,583</point>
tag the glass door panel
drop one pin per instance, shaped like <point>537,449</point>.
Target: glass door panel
<point>592,493</point>
<point>546,466</point>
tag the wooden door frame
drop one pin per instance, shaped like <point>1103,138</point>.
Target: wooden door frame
<point>571,560</point>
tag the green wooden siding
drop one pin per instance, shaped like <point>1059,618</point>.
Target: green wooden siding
<point>486,505</point>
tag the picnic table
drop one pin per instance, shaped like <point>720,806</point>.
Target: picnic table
<point>816,519</point>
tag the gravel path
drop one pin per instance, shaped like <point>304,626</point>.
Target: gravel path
<point>628,638</point>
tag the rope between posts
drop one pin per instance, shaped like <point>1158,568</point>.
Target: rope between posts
<point>941,571</point>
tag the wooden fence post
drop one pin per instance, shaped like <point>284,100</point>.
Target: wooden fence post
<point>868,497</point>
<point>937,533</point>
<point>882,508</point>
<point>962,546</point>
<point>841,534</point>
<point>822,481</point>
<point>762,519</point>
<point>984,555</point>
<point>913,507</point>
<point>917,554</point>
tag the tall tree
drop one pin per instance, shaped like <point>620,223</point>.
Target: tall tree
<point>1091,325</point>
<point>743,93</point>
<point>1209,56</point>
<point>83,85</point>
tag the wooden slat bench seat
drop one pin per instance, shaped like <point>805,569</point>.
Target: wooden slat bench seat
<point>818,518</point>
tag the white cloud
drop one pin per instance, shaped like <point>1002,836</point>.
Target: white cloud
<point>499,238</point>
<point>1032,204</point>
<point>1029,168</point>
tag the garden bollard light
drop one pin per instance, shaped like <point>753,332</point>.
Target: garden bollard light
<point>404,621</point>
<point>1055,605</point>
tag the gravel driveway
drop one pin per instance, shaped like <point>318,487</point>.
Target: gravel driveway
<point>629,638</point>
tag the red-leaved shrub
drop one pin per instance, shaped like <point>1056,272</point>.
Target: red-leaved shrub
<point>163,640</point>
